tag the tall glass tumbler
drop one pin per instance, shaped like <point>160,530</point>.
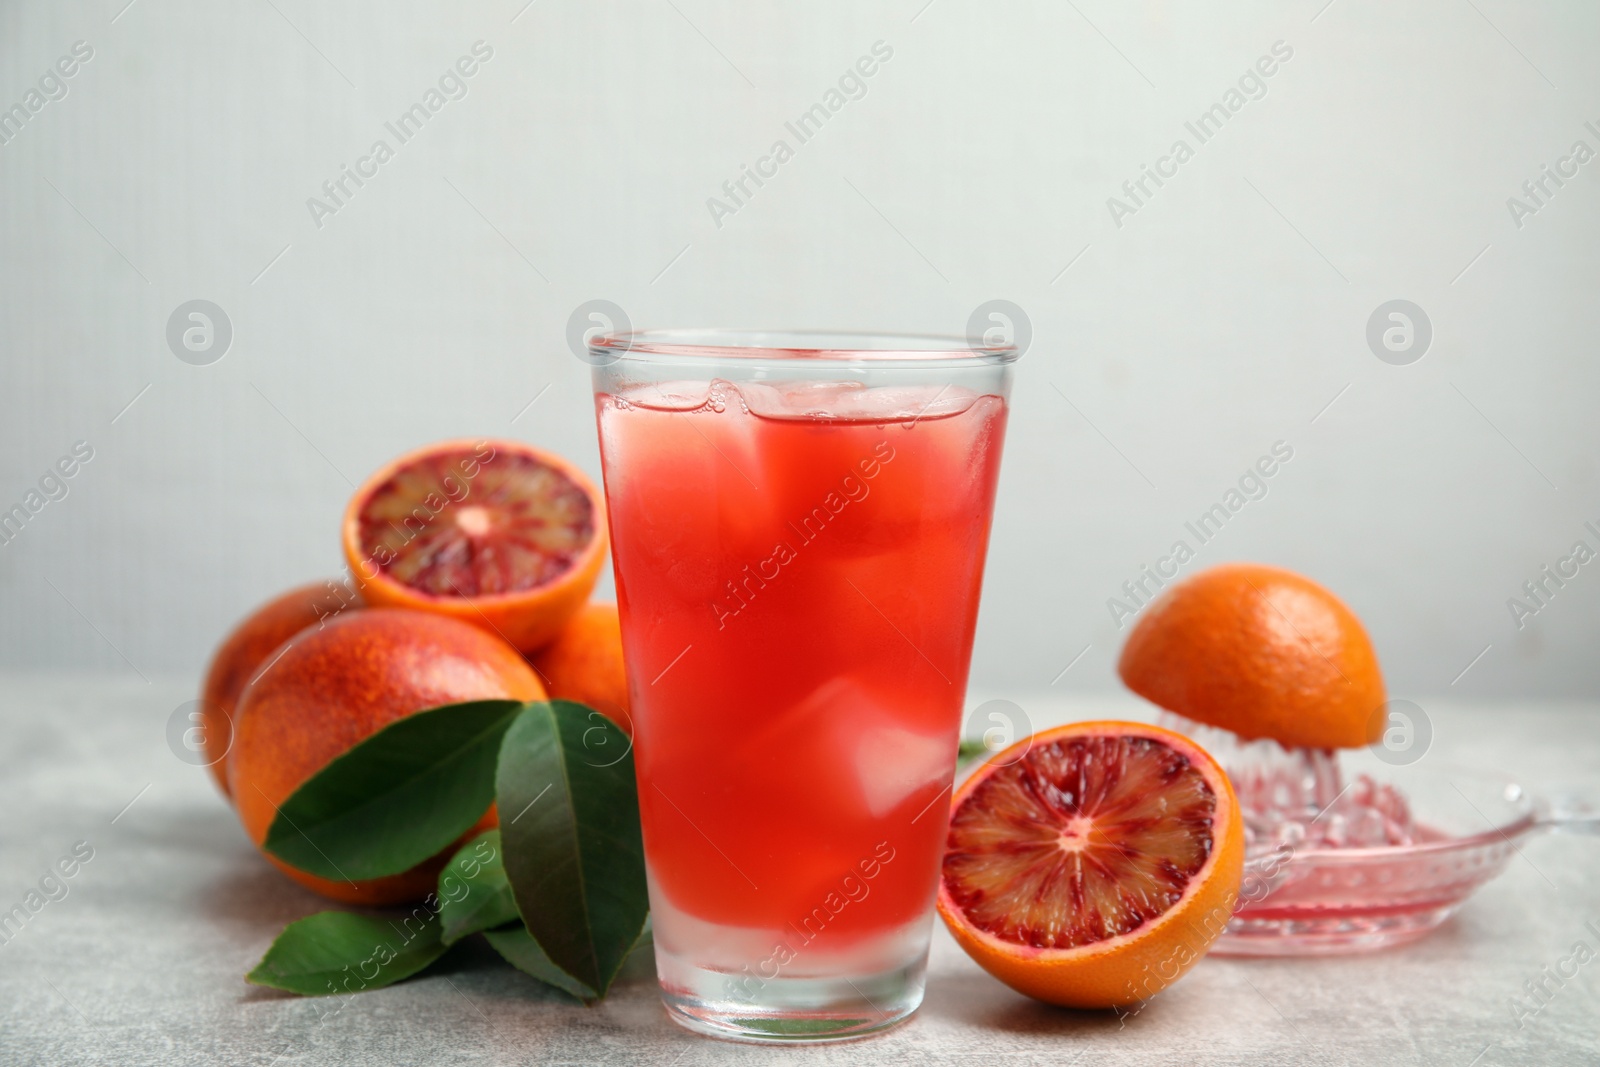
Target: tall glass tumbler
<point>798,525</point>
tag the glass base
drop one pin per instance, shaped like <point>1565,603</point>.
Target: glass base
<point>789,1010</point>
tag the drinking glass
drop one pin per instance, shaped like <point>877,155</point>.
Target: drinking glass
<point>798,528</point>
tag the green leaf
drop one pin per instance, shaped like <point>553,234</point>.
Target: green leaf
<point>397,798</point>
<point>473,892</point>
<point>971,749</point>
<point>341,952</point>
<point>569,820</point>
<point>523,952</point>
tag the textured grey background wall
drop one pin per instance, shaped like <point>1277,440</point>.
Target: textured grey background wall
<point>1359,153</point>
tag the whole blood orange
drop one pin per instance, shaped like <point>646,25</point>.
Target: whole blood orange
<point>495,533</point>
<point>1093,864</point>
<point>1261,651</point>
<point>336,686</point>
<point>584,663</point>
<point>246,650</point>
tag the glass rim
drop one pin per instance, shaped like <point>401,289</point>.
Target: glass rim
<point>852,346</point>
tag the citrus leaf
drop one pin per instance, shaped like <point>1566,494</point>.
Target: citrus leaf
<point>396,798</point>
<point>473,892</point>
<point>971,749</point>
<point>523,952</point>
<point>569,822</point>
<point>341,952</point>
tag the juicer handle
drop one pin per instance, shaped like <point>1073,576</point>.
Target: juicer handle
<point>1571,813</point>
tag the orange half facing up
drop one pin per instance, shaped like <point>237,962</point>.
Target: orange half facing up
<point>1092,865</point>
<point>495,533</point>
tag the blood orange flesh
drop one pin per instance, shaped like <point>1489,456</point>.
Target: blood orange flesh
<point>1092,864</point>
<point>452,525</point>
<point>495,533</point>
<point>1081,840</point>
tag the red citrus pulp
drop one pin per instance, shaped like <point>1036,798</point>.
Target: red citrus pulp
<point>1093,864</point>
<point>495,533</point>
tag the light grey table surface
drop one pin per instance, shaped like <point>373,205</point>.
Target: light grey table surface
<point>142,961</point>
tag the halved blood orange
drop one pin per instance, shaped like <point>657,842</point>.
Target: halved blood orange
<point>495,533</point>
<point>1093,864</point>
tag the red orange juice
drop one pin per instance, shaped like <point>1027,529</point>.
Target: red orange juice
<point>798,569</point>
<point>798,527</point>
